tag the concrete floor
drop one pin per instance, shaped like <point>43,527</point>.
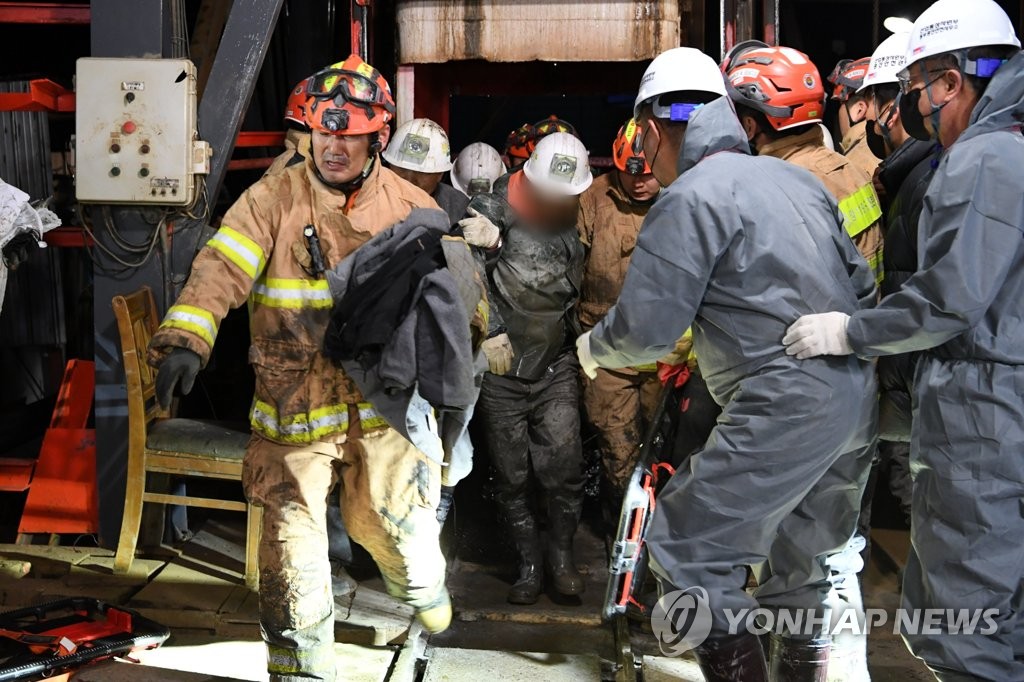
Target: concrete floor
<point>197,592</point>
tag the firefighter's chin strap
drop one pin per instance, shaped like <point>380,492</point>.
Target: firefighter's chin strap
<point>355,183</point>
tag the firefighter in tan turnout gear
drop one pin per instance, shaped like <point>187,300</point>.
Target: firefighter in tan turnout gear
<point>311,427</point>
<point>781,104</point>
<point>618,401</point>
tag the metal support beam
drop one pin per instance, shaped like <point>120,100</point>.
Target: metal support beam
<point>43,13</point>
<point>737,22</point>
<point>360,13</point>
<point>146,32</point>
<point>771,22</point>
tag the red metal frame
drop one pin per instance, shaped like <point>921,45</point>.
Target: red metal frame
<point>68,237</point>
<point>44,13</point>
<point>260,138</point>
<point>42,95</point>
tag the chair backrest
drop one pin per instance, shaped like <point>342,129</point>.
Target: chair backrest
<point>137,322</point>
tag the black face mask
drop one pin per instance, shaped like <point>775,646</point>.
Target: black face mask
<point>876,142</point>
<point>913,119</point>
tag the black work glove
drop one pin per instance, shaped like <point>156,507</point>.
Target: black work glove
<point>180,366</point>
<point>17,250</point>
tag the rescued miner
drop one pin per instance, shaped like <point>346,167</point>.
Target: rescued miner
<point>778,484</point>
<point>963,87</point>
<point>420,153</point>
<point>530,397</point>
<point>619,402</point>
<point>311,427</point>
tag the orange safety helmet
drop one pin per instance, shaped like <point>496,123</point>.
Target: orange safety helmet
<point>349,98</point>
<point>295,107</point>
<point>626,158</point>
<point>780,82</point>
<point>848,76</point>
<point>520,142</point>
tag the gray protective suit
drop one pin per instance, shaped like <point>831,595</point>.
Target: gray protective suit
<point>452,201</point>
<point>740,247</point>
<point>965,308</point>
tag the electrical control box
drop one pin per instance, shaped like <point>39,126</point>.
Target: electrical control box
<point>135,132</point>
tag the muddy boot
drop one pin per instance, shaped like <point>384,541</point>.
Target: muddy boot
<point>523,529</point>
<point>445,505</point>
<point>798,660</point>
<point>732,658</point>
<point>563,517</point>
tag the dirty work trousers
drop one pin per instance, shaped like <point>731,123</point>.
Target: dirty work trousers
<point>619,405</point>
<point>389,494</point>
<point>967,462</point>
<point>535,424</point>
<point>777,487</point>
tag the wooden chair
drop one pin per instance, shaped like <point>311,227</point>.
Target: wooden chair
<point>177,447</point>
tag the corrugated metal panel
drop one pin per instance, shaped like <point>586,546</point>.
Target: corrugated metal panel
<point>558,30</point>
<point>33,311</point>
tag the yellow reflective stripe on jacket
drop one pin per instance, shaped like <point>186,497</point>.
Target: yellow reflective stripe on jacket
<point>240,250</point>
<point>192,319</point>
<point>306,428</point>
<point>875,263</point>
<point>860,210</point>
<point>292,293</point>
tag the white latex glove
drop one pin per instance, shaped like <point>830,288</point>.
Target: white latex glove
<point>498,350</point>
<point>587,362</point>
<point>821,334</point>
<point>478,230</point>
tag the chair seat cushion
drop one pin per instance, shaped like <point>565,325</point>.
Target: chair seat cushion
<point>196,437</point>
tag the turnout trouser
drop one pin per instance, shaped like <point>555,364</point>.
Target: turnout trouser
<point>389,496</point>
<point>619,406</point>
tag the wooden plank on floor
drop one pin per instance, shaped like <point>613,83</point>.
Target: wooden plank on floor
<point>388,617</point>
<point>894,544</point>
<point>185,588</point>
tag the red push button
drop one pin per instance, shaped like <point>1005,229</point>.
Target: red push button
<point>128,127</point>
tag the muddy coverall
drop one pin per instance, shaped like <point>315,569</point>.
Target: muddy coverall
<point>531,415</point>
<point>848,183</point>
<point>965,309</point>
<point>779,482</point>
<point>311,427</point>
<point>618,402</point>
<point>855,147</point>
<point>862,216</point>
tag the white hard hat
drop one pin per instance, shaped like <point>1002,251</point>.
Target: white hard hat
<point>559,164</point>
<point>477,165</point>
<point>681,68</point>
<point>826,137</point>
<point>420,145</point>
<point>888,59</point>
<point>951,25</point>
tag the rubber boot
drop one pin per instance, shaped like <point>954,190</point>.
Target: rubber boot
<point>732,658</point>
<point>437,616</point>
<point>798,660</point>
<point>445,505</point>
<point>563,517</point>
<point>523,528</point>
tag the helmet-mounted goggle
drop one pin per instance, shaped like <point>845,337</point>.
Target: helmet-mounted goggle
<point>341,87</point>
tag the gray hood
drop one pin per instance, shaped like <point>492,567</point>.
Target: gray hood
<point>713,129</point>
<point>1002,105</point>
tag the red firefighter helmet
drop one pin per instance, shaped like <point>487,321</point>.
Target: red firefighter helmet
<point>626,158</point>
<point>295,107</point>
<point>349,98</point>
<point>780,82</point>
<point>848,76</point>
<point>520,143</point>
